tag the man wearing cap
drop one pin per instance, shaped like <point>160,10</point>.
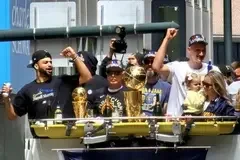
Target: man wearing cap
<point>91,62</point>
<point>154,86</point>
<point>178,70</point>
<point>40,97</point>
<point>96,82</point>
<point>114,90</point>
<point>228,73</point>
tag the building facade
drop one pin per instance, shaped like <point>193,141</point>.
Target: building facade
<point>218,31</point>
<point>193,16</point>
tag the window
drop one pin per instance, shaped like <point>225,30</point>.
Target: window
<point>196,2</point>
<point>220,55</point>
<point>189,2</point>
<point>205,4</point>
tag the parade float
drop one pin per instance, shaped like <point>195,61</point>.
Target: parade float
<point>210,136</point>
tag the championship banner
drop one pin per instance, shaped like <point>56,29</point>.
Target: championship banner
<point>20,50</point>
<point>138,154</point>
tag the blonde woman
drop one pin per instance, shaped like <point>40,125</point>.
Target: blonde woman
<point>217,100</point>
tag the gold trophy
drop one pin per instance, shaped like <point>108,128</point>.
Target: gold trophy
<point>135,79</point>
<point>79,96</point>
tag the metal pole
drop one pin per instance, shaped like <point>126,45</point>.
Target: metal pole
<point>83,31</point>
<point>137,23</point>
<point>102,38</point>
<point>132,148</point>
<point>228,30</point>
<point>233,118</point>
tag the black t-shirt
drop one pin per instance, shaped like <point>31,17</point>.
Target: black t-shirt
<point>39,100</point>
<point>96,82</point>
<point>117,99</point>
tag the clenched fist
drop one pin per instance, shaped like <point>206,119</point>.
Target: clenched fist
<point>68,53</point>
<point>171,33</point>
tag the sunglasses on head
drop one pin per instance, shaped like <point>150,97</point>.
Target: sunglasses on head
<point>117,73</point>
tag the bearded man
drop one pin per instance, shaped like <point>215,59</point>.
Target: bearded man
<point>154,87</point>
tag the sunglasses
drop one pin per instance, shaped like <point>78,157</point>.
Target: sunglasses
<point>206,84</point>
<point>148,61</point>
<point>117,73</point>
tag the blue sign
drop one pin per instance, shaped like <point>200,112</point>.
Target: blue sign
<point>20,50</point>
<point>5,46</point>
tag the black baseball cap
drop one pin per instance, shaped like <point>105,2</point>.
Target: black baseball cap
<point>226,70</point>
<point>38,55</point>
<point>149,54</point>
<point>89,60</point>
<point>197,38</point>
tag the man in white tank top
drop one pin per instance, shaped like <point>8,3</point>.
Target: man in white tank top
<point>178,70</point>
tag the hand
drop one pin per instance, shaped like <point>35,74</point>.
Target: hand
<point>168,118</point>
<point>68,53</point>
<point>171,33</point>
<point>111,48</point>
<point>7,89</point>
<point>111,45</point>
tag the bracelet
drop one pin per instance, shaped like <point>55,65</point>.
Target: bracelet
<point>74,59</point>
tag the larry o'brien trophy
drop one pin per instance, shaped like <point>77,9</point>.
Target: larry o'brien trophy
<point>134,79</point>
<point>79,101</point>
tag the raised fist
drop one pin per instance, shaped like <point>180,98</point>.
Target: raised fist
<point>171,33</point>
<point>68,52</point>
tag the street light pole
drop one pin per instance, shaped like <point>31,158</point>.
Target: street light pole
<point>82,31</point>
<point>228,30</point>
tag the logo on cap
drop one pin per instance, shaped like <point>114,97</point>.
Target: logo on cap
<point>197,38</point>
<point>81,57</point>
<point>114,64</point>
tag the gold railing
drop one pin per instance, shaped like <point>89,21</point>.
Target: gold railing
<point>202,125</point>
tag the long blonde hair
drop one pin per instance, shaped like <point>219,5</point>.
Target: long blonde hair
<point>218,83</point>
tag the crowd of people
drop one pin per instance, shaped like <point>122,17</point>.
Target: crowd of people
<point>190,87</point>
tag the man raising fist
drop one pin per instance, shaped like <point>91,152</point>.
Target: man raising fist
<point>40,97</point>
<point>196,52</point>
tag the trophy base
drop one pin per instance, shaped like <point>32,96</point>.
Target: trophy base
<point>136,120</point>
<point>133,103</point>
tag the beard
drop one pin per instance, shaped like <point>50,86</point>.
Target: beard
<point>152,76</point>
<point>45,73</point>
<point>150,73</point>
